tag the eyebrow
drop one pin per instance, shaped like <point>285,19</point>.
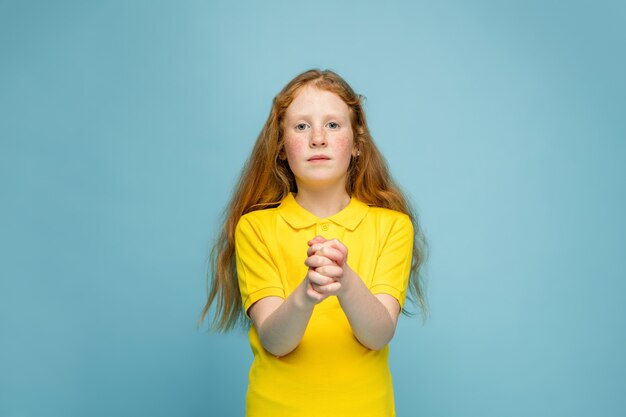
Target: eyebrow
<point>305,116</point>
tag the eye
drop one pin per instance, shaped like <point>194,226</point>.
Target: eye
<point>302,126</point>
<point>332,125</point>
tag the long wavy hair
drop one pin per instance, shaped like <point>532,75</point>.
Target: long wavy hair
<point>266,179</point>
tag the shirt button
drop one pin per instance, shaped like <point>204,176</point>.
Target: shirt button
<point>325,227</point>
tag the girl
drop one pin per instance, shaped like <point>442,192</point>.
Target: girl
<point>318,251</point>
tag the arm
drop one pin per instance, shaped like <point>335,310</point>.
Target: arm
<point>281,323</point>
<point>373,318</point>
<point>280,320</point>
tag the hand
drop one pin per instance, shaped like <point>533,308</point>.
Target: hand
<point>332,249</point>
<point>327,263</point>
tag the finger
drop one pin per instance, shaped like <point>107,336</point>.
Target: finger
<point>315,296</point>
<point>337,244</point>
<point>314,248</point>
<point>319,279</point>
<point>332,253</point>
<point>327,289</point>
<point>316,261</point>
<point>316,239</point>
<point>331,271</point>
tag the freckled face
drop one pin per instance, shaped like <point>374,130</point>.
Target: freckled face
<point>318,138</point>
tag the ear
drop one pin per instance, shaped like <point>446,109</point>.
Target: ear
<point>355,148</point>
<point>281,155</point>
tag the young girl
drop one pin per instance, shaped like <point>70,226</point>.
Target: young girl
<point>318,251</point>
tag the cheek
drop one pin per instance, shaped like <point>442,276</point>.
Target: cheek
<point>344,145</point>
<point>294,149</point>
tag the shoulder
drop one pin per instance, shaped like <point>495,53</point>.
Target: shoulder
<point>262,215</point>
<point>390,218</point>
<point>256,220</point>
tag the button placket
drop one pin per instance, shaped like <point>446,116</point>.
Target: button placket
<point>323,228</point>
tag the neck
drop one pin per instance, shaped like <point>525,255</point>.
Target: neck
<point>323,202</point>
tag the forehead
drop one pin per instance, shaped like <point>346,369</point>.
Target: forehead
<point>314,101</point>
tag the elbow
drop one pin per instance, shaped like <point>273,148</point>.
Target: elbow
<point>376,343</point>
<point>375,346</point>
<point>275,349</point>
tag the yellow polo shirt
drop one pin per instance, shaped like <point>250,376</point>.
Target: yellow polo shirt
<point>330,373</point>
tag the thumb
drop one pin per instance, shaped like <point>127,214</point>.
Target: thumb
<point>316,239</point>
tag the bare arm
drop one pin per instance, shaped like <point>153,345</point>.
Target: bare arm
<point>281,323</point>
<point>373,318</point>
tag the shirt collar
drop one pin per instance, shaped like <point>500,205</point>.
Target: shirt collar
<point>299,218</point>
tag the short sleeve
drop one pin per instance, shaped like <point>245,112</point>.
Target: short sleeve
<point>393,266</point>
<point>257,272</point>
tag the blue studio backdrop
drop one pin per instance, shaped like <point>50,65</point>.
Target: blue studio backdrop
<point>124,126</point>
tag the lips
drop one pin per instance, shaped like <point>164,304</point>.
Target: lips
<point>319,158</point>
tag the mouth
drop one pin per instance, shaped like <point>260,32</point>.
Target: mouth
<point>318,158</point>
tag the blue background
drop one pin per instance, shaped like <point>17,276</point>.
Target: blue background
<point>124,125</point>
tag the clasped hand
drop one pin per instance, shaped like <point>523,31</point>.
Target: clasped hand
<point>326,260</point>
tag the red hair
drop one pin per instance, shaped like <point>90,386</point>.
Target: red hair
<point>266,179</point>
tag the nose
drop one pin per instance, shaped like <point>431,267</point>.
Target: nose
<point>318,139</point>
